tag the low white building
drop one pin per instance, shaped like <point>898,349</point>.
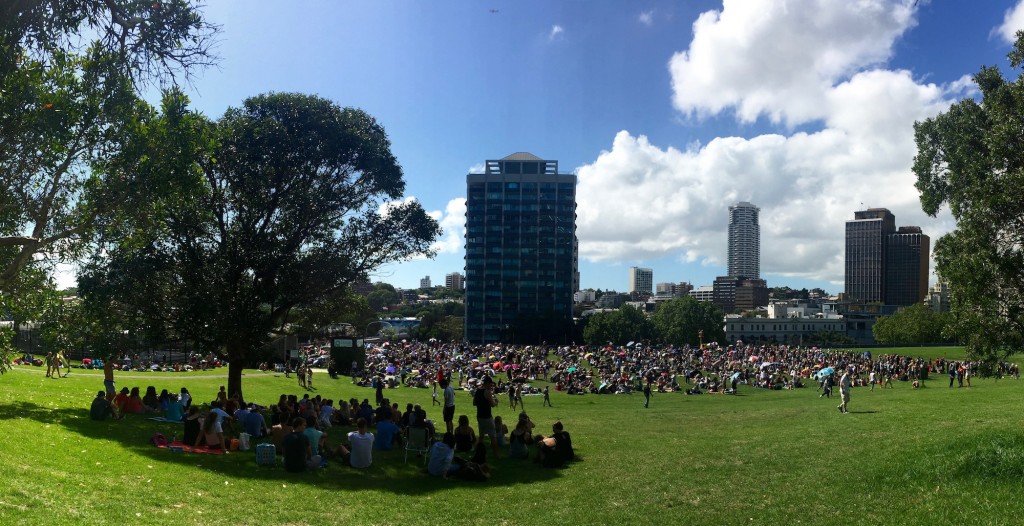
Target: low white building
<point>779,330</point>
<point>704,293</point>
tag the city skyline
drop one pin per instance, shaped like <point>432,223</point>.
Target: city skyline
<point>667,112</point>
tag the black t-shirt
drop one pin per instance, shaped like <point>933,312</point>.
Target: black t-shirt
<point>295,445</point>
<point>483,406</point>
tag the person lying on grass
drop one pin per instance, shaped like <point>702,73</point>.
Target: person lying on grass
<point>554,451</point>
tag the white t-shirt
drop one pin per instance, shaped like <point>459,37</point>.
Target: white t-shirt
<point>362,449</point>
<point>449,396</point>
<point>220,414</point>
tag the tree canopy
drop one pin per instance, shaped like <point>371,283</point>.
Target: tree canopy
<point>681,320</point>
<point>287,200</point>
<point>971,159</point>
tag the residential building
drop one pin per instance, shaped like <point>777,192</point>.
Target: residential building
<point>674,290</point>
<point>641,280</point>
<point>732,293</point>
<point>938,297</point>
<point>584,296</point>
<point>425,282</point>
<point>454,281</point>
<point>744,241</point>
<point>521,255</point>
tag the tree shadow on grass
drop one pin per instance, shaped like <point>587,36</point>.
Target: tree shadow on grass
<point>388,473</point>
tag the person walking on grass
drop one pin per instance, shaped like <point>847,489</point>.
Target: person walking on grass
<point>647,394</point>
<point>547,397</point>
<point>844,391</point>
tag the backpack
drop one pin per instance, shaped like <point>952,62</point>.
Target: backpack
<point>159,440</point>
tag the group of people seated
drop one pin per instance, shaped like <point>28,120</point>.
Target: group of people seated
<point>128,401</point>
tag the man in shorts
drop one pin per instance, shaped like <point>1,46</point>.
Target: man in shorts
<point>484,401</point>
<point>449,406</point>
<point>108,378</point>
<point>844,391</point>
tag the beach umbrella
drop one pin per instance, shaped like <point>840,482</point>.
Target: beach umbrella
<point>389,369</point>
<point>571,369</point>
<point>735,376</point>
<point>824,372</point>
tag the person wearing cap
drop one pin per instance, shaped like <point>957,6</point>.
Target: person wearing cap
<point>484,401</point>
<point>101,407</point>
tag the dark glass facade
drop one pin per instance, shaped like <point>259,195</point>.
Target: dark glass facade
<point>906,276</point>
<point>866,243</point>
<point>884,265</point>
<point>520,247</point>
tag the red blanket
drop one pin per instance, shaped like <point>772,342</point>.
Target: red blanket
<point>193,449</point>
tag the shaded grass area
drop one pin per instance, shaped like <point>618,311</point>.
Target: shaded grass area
<point>930,456</point>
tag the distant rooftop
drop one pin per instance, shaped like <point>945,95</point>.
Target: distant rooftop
<point>521,156</point>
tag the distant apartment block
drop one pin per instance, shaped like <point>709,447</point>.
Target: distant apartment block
<point>674,290</point>
<point>454,281</point>
<point>703,293</point>
<point>584,296</point>
<point>425,282</point>
<point>641,280</point>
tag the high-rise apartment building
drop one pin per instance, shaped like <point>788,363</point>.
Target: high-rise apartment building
<point>744,241</point>
<point>454,281</point>
<point>520,248</point>
<point>641,280</point>
<point>883,264</point>
<point>425,282</point>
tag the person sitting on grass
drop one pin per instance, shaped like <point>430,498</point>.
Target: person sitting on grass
<point>175,411</point>
<point>134,403</point>
<point>254,423</point>
<point>360,454</point>
<point>298,454</point>
<point>317,438</point>
<point>193,426</point>
<point>441,458</point>
<point>151,402</point>
<point>120,401</point>
<point>280,428</point>
<point>465,436</point>
<point>554,451</point>
<point>521,437</point>
<point>212,435</point>
<point>500,431</point>
<point>387,435</point>
<point>101,407</point>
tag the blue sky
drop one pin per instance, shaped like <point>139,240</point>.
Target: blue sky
<point>668,111</point>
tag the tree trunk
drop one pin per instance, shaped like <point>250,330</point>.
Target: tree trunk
<point>235,364</point>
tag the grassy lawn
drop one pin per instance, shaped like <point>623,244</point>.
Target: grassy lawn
<point>902,456</point>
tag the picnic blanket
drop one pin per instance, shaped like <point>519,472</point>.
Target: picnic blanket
<point>162,419</point>
<point>192,449</point>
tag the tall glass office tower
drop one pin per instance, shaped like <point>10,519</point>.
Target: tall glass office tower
<point>520,250</point>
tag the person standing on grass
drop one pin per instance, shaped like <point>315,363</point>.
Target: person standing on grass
<point>871,379</point>
<point>484,401</point>
<point>547,397</point>
<point>108,378</point>
<point>844,391</point>
<point>449,405</point>
<point>647,394</point>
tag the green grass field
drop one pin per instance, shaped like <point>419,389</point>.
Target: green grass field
<point>902,456</point>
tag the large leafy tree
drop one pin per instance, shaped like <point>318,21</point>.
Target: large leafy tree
<point>70,72</point>
<point>618,327</point>
<point>971,159</point>
<point>915,324</point>
<point>292,199</point>
<point>681,321</point>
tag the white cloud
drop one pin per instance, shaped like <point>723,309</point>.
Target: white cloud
<point>1013,21</point>
<point>453,225</point>
<point>808,184</point>
<point>556,32</point>
<point>477,168</point>
<point>646,17</point>
<point>778,59</point>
